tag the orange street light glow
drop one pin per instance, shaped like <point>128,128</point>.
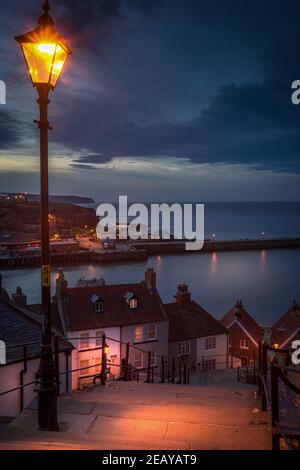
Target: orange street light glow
<point>44,51</point>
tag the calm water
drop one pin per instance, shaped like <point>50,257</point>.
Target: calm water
<point>240,220</point>
<point>266,281</point>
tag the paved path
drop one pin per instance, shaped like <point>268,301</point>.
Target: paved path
<point>148,416</point>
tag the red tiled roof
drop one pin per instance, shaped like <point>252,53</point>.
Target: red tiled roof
<point>287,325</point>
<point>191,321</point>
<point>81,314</point>
<point>238,312</point>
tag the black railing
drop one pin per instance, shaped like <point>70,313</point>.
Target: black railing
<point>127,371</point>
<point>276,391</point>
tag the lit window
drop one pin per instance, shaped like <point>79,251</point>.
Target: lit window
<point>151,331</point>
<point>97,365</point>
<point>183,348</point>
<point>84,367</point>
<point>99,338</point>
<point>211,342</point>
<point>210,364</point>
<point>84,340</point>
<point>138,359</point>
<point>133,303</point>
<point>153,358</point>
<point>138,334</point>
<point>244,344</point>
<point>99,306</point>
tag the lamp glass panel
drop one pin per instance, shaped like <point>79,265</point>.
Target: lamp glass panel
<point>45,61</point>
<point>57,65</point>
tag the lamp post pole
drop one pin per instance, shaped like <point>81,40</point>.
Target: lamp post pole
<point>45,54</point>
<point>47,387</point>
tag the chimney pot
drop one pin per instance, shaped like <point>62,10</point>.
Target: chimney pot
<point>150,278</point>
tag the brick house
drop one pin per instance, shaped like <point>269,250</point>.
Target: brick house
<point>244,335</point>
<point>195,336</point>
<point>126,313</point>
<point>287,328</point>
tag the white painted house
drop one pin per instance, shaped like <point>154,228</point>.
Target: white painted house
<point>125,313</point>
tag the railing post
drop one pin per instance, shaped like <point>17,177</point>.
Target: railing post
<point>162,369</point>
<point>126,362</point>
<point>184,374</point>
<point>173,370</point>
<point>259,368</point>
<point>152,374</point>
<point>104,360</point>
<point>188,375</point>
<point>56,361</point>
<point>264,370</point>
<point>274,405</point>
<point>21,390</point>
<point>247,375</point>
<point>67,371</point>
<point>22,372</point>
<point>231,361</point>
<point>148,367</point>
<point>180,368</point>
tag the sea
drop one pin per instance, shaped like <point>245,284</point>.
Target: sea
<point>267,281</point>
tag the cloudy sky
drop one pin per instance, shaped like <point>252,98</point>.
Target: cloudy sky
<point>184,100</point>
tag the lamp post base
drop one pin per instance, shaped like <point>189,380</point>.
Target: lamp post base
<point>47,392</point>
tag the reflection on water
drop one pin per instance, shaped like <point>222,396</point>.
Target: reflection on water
<point>266,281</point>
<point>213,263</point>
<point>263,260</point>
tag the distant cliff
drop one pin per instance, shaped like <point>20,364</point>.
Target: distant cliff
<point>64,199</point>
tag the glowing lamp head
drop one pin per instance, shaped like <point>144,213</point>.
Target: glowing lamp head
<point>276,345</point>
<point>44,51</point>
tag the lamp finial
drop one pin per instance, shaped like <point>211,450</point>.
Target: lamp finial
<point>46,7</point>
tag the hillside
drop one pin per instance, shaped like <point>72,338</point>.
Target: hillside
<point>20,221</point>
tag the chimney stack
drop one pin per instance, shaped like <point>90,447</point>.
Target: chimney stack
<point>61,285</point>
<point>150,278</point>
<point>19,298</point>
<point>238,309</point>
<point>183,296</point>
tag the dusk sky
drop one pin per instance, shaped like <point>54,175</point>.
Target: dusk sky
<point>162,100</point>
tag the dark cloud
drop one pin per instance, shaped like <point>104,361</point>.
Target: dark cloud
<point>10,129</point>
<point>209,81</point>
<point>93,159</point>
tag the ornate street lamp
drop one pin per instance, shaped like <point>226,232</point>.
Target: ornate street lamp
<point>45,54</point>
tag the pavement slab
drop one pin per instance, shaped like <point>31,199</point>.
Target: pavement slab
<point>128,415</point>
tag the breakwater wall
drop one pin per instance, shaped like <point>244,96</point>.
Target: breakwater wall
<point>143,250</point>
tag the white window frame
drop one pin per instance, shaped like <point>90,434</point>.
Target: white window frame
<point>243,343</point>
<point>153,357</point>
<point>153,337</point>
<point>99,306</point>
<point>138,363</point>
<point>84,341</point>
<point>183,348</point>
<point>138,338</point>
<point>98,339</point>
<point>133,301</point>
<point>210,343</point>
<point>208,363</point>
